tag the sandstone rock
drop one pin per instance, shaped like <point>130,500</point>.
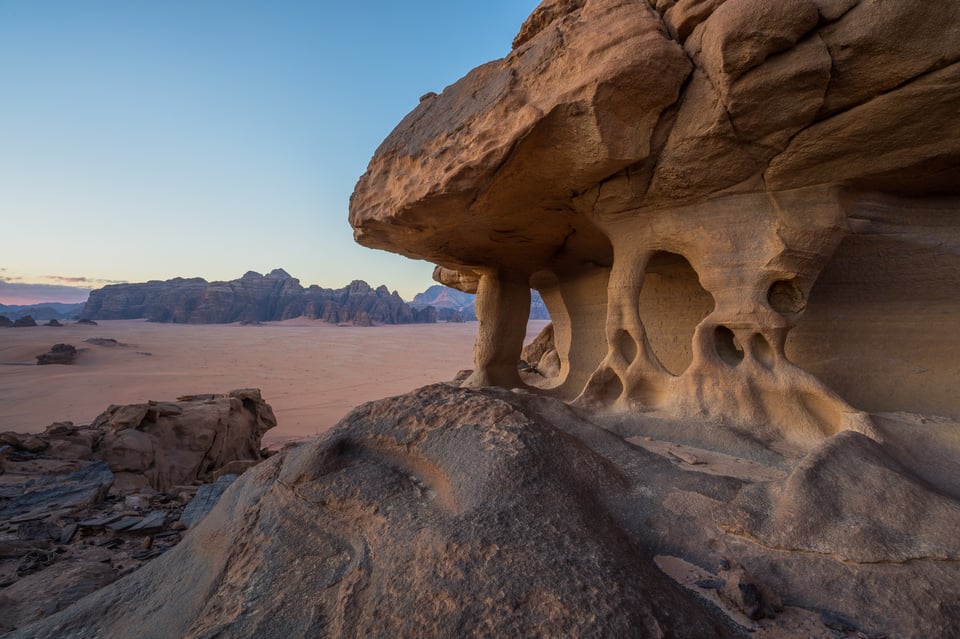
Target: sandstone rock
<point>53,322</point>
<point>58,354</point>
<point>542,344</point>
<point>443,502</point>
<point>86,486</point>
<point>24,441</point>
<point>26,320</point>
<point>753,598</point>
<point>414,518</point>
<point>159,445</point>
<point>687,182</point>
<point>42,594</point>
<point>204,500</point>
<point>86,322</point>
<point>251,299</point>
<point>838,501</point>
<point>63,510</point>
<point>5,321</point>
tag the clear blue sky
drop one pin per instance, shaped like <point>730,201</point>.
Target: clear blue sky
<point>148,140</point>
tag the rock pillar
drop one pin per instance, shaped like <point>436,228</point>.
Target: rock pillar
<point>503,306</point>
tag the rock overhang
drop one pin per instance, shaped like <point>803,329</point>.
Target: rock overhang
<point>609,105</point>
<point>746,138</point>
<point>484,173</point>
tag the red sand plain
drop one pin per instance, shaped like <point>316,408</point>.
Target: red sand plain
<point>310,372</point>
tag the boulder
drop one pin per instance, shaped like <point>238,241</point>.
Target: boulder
<point>427,514</point>
<point>423,515</point>
<point>158,445</point>
<point>58,354</point>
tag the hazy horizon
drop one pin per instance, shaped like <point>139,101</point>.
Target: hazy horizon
<point>147,142</point>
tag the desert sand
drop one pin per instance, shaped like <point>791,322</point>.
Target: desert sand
<point>310,372</point>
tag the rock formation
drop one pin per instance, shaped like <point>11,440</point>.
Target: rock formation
<point>25,320</point>
<point>686,183</point>
<point>58,354</point>
<point>454,512</point>
<point>161,444</point>
<point>252,298</point>
<point>403,526</point>
<point>743,218</point>
<point>742,422</point>
<point>5,322</point>
<point>81,506</point>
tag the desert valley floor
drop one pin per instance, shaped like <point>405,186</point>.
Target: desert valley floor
<point>310,372</point>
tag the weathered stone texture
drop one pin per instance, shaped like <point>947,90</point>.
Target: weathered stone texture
<point>453,512</point>
<point>761,144</point>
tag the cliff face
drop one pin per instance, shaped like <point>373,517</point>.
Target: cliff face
<point>252,298</point>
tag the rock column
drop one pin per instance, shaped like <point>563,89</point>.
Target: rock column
<point>503,305</point>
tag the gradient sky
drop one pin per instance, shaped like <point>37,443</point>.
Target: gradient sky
<point>149,140</point>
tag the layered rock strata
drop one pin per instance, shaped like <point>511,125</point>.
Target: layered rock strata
<point>687,182</point>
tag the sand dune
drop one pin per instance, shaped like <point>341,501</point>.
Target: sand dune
<point>310,372</point>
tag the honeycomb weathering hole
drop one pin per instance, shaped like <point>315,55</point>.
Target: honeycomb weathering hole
<point>762,351</point>
<point>627,346</point>
<point>786,297</point>
<point>727,346</point>
<point>672,304</point>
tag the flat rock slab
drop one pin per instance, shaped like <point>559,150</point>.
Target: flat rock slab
<point>86,486</point>
<point>205,499</point>
<point>152,522</point>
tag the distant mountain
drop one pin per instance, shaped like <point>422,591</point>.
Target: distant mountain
<point>452,305</point>
<point>457,306</point>
<point>42,311</point>
<point>271,297</point>
<point>252,298</point>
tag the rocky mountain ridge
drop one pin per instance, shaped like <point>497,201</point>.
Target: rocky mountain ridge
<point>42,311</point>
<point>251,298</point>
<point>279,296</point>
<point>454,306</point>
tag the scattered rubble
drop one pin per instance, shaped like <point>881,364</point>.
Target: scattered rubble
<point>73,515</point>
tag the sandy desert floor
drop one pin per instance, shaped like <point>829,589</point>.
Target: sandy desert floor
<point>310,372</point>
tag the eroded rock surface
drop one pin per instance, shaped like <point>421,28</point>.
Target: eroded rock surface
<point>75,512</point>
<point>163,444</point>
<point>738,209</point>
<point>452,512</point>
